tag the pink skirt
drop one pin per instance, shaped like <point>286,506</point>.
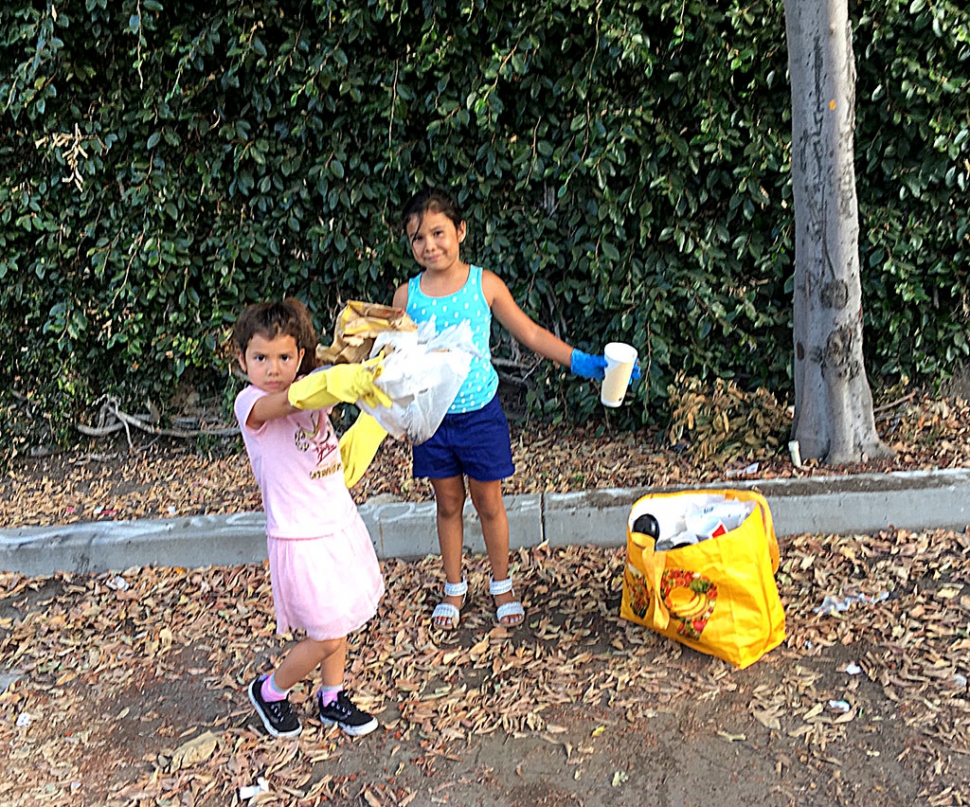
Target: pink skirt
<point>327,586</point>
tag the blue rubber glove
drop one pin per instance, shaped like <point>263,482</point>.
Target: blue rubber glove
<point>594,367</point>
<point>587,366</point>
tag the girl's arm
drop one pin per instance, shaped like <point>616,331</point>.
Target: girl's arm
<point>518,323</point>
<point>342,383</point>
<point>401,297</point>
<point>269,407</point>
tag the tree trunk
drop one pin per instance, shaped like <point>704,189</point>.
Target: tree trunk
<point>834,420</point>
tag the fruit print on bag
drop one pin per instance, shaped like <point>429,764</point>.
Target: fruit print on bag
<point>639,594</point>
<point>690,599</point>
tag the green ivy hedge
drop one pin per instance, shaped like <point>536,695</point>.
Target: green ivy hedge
<point>623,166</point>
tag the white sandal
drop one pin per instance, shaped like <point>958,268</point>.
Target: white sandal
<point>513,611</point>
<point>447,611</point>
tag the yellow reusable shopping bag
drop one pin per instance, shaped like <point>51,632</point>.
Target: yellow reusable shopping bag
<point>717,596</point>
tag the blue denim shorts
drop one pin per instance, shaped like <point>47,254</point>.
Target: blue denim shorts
<point>473,443</point>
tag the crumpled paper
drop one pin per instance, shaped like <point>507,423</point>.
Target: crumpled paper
<point>356,329</point>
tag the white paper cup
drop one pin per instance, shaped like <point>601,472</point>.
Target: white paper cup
<point>620,358</point>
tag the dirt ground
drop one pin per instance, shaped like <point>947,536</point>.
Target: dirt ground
<point>128,688</point>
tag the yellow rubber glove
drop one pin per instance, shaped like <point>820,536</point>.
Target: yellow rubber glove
<point>342,383</point>
<point>358,445</point>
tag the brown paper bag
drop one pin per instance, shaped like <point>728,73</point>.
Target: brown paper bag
<point>357,327</point>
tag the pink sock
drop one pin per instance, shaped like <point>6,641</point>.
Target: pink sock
<point>270,692</point>
<point>329,694</point>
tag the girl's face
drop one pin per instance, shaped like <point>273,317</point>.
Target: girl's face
<point>271,364</point>
<point>435,241</point>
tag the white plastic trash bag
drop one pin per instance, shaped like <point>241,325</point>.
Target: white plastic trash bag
<point>421,373</point>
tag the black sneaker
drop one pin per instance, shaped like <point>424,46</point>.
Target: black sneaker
<point>342,711</point>
<point>277,716</point>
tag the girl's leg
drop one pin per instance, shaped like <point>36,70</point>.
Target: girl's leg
<point>487,498</point>
<point>334,704</point>
<point>333,665</point>
<point>269,693</point>
<point>333,701</point>
<point>302,659</point>
<point>449,495</point>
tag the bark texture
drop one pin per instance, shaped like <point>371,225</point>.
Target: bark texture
<point>834,420</point>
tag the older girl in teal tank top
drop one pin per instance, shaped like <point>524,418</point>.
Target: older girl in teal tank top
<point>473,440</point>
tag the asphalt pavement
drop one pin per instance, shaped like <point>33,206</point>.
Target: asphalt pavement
<point>834,505</point>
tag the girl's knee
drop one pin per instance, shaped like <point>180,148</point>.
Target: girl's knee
<point>324,648</point>
<point>488,502</point>
<point>449,504</point>
<point>448,508</point>
<point>490,511</point>
<point>449,497</point>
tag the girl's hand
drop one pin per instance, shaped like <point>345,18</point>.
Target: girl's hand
<point>342,383</point>
<point>587,366</point>
<point>594,367</point>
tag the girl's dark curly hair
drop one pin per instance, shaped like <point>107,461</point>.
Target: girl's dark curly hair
<point>270,319</point>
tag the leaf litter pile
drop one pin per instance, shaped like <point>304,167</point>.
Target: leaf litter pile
<point>92,717</point>
<point>128,688</point>
<point>712,440</point>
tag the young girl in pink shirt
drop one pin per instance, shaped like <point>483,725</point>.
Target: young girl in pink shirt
<point>325,575</point>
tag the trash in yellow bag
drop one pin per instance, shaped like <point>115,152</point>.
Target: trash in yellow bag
<point>717,595</point>
<point>357,327</point>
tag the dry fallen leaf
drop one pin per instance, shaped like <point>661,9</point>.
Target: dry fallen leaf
<point>195,751</point>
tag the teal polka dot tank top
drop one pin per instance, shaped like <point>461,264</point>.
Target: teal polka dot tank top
<point>468,303</point>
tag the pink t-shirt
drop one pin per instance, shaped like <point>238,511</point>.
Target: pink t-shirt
<point>296,461</point>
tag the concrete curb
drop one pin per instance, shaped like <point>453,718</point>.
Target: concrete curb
<point>864,503</point>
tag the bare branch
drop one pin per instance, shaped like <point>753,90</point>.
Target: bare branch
<point>110,411</point>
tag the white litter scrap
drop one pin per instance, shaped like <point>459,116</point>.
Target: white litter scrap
<point>832,605</point>
<point>247,792</point>
<point>117,583</point>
